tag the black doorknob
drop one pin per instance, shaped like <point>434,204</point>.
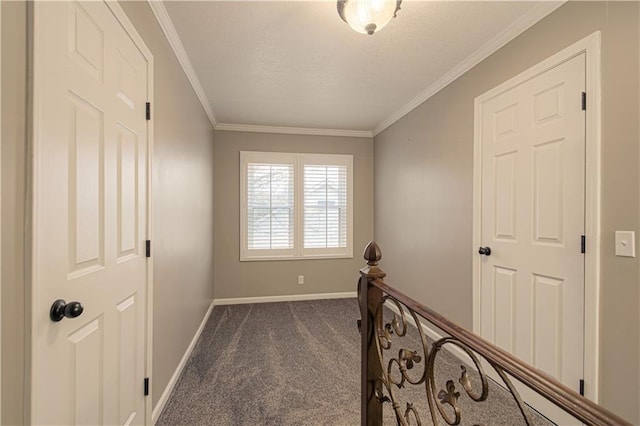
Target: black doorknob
<point>61,309</point>
<point>485,250</point>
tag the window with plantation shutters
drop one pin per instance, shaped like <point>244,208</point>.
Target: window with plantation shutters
<point>296,206</point>
<point>325,206</point>
<point>270,215</point>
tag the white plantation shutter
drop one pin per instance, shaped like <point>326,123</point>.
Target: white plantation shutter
<point>270,207</point>
<point>325,206</point>
<point>295,206</point>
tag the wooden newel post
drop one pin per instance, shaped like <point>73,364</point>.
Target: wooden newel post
<point>369,297</point>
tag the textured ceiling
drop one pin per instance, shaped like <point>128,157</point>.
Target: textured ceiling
<point>296,64</point>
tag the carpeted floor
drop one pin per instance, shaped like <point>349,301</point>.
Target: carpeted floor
<point>295,363</point>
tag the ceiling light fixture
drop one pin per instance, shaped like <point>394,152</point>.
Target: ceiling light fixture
<point>368,16</point>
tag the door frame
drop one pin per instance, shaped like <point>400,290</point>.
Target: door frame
<point>590,46</point>
<point>34,142</point>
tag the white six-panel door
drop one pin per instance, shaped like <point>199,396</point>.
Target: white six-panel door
<point>89,216</point>
<point>533,217</point>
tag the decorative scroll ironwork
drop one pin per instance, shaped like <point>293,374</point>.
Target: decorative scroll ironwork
<point>389,364</point>
<point>396,370</point>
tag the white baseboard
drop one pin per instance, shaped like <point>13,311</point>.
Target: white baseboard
<point>157,410</point>
<point>286,298</point>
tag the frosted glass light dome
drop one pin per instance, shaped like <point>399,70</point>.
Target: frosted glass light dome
<point>368,16</point>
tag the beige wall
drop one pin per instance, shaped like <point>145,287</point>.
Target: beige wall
<point>14,63</point>
<point>182,243</point>
<point>423,191</point>
<point>275,278</point>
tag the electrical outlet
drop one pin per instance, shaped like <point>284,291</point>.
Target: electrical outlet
<point>300,279</point>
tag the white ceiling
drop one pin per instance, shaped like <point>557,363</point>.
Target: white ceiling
<point>296,64</point>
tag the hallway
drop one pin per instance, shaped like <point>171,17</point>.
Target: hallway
<point>297,363</point>
<point>290,363</point>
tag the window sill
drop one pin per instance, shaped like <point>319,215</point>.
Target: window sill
<point>308,257</point>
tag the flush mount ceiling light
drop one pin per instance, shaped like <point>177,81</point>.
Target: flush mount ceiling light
<point>368,16</point>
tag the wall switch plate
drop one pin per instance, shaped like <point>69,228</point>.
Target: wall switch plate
<point>300,279</point>
<point>626,243</point>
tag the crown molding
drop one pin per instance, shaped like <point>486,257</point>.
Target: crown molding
<point>536,14</point>
<point>543,9</point>
<point>169,30</point>
<point>293,130</point>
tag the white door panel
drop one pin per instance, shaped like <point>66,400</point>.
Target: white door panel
<point>90,215</point>
<point>533,209</point>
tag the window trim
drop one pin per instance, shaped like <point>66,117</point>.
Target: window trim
<point>298,160</point>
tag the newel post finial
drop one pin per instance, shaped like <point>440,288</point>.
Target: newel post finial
<point>373,255</point>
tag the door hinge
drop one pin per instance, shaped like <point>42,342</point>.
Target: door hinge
<point>583,244</point>
<point>582,387</point>
<point>146,386</point>
<point>148,110</point>
<point>148,248</point>
<point>584,101</point>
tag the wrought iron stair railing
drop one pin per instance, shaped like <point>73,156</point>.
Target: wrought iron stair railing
<point>384,373</point>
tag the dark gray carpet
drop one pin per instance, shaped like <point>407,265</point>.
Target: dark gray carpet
<point>295,363</point>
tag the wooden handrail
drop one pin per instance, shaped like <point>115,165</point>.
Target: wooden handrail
<point>559,394</point>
